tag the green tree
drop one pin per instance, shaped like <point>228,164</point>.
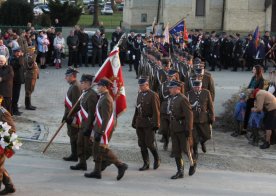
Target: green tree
<point>68,14</point>
<point>96,14</point>
<point>16,12</point>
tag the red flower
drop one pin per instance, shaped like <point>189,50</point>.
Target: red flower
<point>9,153</point>
<point>1,150</point>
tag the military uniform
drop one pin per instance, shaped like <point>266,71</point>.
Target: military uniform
<point>31,75</point>
<point>238,52</point>
<point>72,96</point>
<point>146,121</point>
<point>181,126</point>
<point>102,132</point>
<point>86,115</point>
<point>5,116</point>
<point>203,113</point>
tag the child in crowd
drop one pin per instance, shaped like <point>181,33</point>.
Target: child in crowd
<point>255,124</point>
<point>239,114</point>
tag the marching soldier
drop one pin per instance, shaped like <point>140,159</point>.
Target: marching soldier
<point>31,75</point>
<point>161,74</point>
<point>102,131</point>
<point>5,117</point>
<point>86,115</point>
<point>181,126</point>
<point>164,95</point>
<point>203,114</point>
<point>71,98</point>
<point>146,121</point>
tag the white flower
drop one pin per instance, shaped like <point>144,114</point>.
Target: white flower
<point>3,144</point>
<point>13,137</point>
<point>16,144</point>
<point>4,133</point>
<point>6,127</point>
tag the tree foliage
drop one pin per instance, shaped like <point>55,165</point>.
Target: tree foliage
<point>16,13</point>
<point>68,14</point>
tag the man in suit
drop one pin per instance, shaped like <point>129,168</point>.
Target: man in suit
<point>238,52</point>
<point>138,46</point>
<point>72,96</point>
<point>146,121</point>
<point>102,132</point>
<point>203,114</point>
<point>181,125</point>
<point>97,43</point>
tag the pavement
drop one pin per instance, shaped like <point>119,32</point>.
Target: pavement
<point>35,174</point>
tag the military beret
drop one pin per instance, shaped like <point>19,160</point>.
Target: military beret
<point>139,35</point>
<point>175,83</point>
<point>238,35</point>
<point>213,32</point>
<point>86,78</point>
<point>171,72</point>
<point>105,82</point>
<point>197,83</point>
<point>199,71</point>
<point>143,79</point>
<point>162,36</point>
<point>149,40</point>
<point>16,49</point>
<point>165,61</point>
<point>71,70</point>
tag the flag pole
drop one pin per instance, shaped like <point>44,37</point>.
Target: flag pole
<point>59,128</point>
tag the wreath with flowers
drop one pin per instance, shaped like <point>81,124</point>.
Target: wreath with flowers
<point>9,141</point>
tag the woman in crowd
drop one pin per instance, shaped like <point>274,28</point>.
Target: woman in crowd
<point>59,44</point>
<point>266,102</point>
<point>42,45</point>
<point>257,81</point>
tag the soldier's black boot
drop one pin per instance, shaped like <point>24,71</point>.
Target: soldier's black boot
<point>203,147</point>
<point>28,104</point>
<point>195,149</point>
<point>166,143</point>
<point>121,170</point>
<point>145,156</point>
<point>156,163</point>
<point>97,171</point>
<point>130,67</point>
<point>105,164</point>
<point>9,187</point>
<point>73,157</point>
<point>79,166</point>
<point>265,145</point>
<point>180,169</point>
<point>192,169</point>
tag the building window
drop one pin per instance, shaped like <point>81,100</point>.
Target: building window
<point>144,17</point>
<point>200,7</point>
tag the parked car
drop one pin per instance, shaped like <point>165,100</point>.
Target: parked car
<point>107,11</point>
<point>40,9</point>
<point>89,45</point>
<point>120,7</point>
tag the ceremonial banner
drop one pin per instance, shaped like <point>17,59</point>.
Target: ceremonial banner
<point>180,26</point>
<point>112,70</point>
<point>256,36</point>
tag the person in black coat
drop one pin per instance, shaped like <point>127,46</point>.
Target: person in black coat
<point>250,52</point>
<point>97,43</point>
<point>83,47</point>
<point>6,83</point>
<point>138,46</point>
<point>237,52</point>
<point>105,47</point>
<point>17,63</point>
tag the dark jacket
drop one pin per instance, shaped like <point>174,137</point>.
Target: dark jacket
<point>18,69</point>
<point>256,83</point>
<point>6,73</point>
<point>73,41</point>
<point>97,42</point>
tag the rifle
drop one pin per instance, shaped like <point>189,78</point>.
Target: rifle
<point>59,128</point>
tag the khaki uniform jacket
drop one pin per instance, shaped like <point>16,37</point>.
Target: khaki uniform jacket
<point>5,116</point>
<point>22,42</point>
<point>89,102</point>
<point>181,114</point>
<point>202,106</point>
<point>147,112</point>
<point>105,107</point>
<point>208,83</point>
<point>73,94</point>
<point>31,68</point>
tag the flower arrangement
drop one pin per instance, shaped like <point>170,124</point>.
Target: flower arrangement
<point>8,140</point>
